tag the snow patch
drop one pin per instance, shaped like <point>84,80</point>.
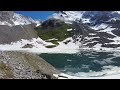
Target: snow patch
<point>84,20</point>
<point>69,29</point>
<point>5,23</point>
<point>39,46</point>
<point>98,27</point>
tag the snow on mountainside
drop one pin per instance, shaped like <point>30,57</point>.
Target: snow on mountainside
<point>19,19</point>
<point>98,30</point>
<point>14,27</point>
<point>92,17</point>
<point>11,18</point>
<point>68,16</point>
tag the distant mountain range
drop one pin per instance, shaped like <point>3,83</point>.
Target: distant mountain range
<point>11,18</point>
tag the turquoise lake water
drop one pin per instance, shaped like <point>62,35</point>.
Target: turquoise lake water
<point>83,61</point>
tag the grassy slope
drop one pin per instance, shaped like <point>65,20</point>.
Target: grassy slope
<point>59,33</point>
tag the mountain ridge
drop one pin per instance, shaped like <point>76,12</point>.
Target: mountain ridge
<point>97,30</point>
<point>12,19</point>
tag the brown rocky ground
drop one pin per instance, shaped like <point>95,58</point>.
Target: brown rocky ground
<point>20,65</point>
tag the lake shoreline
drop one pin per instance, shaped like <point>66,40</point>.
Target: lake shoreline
<point>83,66</point>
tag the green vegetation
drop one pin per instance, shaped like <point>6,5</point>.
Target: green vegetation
<point>59,32</point>
<point>50,46</point>
<point>54,42</point>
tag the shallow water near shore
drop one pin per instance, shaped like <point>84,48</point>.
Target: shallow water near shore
<point>85,63</point>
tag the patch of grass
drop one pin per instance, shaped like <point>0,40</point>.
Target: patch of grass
<point>54,42</point>
<point>59,32</point>
<point>50,46</point>
<point>6,70</point>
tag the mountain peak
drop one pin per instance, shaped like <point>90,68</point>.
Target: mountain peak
<point>11,18</point>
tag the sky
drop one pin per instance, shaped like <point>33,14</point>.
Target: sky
<point>42,15</point>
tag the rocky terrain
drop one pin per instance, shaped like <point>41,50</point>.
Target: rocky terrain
<point>12,34</point>
<point>20,65</point>
<point>90,29</point>
<point>14,27</point>
<point>62,32</point>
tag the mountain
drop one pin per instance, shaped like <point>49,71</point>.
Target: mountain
<point>11,18</point>
<point>92,29</point>
<point>64,30</point>
<point>92,17</point>
<point>68,16</point>
<point>14,27</point>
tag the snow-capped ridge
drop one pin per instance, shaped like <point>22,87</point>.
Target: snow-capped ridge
<point>11,18</point>
<point>85,16</point>
<point>68,16</point>
<point>19,19</point>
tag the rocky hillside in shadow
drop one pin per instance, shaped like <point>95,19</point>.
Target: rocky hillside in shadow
<point>12,34</point>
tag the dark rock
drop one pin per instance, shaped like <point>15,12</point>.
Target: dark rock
<point>116,32</point>
<point>104,34</point>
<point>91,44</point>
<point>28,46</point>
<point>102,40</point>
<point>80,31</point>
<point>62,76</point>
<point>50,23</point>
<point>67,41</point>
<point>46,76</point>
<point>110,45</point>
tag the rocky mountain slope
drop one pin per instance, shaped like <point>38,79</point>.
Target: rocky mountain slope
<point>15,33</point>
<point>11,18</point>
<point>19,65</point>
<point>92,29</point>
<point>14,27</point>
<point>63,30</point>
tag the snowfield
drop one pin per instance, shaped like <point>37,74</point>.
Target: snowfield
<point>39,46</point>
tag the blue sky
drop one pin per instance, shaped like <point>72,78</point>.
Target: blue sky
<point>37,14</point>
